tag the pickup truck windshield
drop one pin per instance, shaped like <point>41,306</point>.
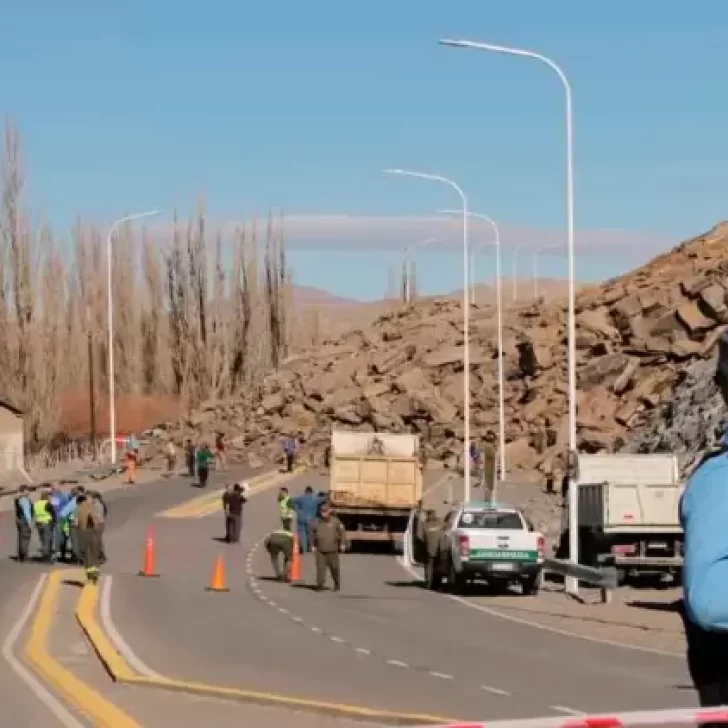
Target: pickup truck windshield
<point>491,519</point>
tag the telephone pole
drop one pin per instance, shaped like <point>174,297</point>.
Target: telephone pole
<point>91,387</point>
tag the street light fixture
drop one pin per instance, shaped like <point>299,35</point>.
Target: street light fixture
<point>572,585</point>
<point>499,316</point>
<point>110,306</point>
<point>535,265</point>
<point>466,313</point>
<point>408,253</point>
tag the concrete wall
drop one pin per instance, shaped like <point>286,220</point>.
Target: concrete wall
<point>11,440</point>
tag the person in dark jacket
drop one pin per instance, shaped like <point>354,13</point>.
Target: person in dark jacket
<point>204,457</point>
<point>23,521</point>
<point>327,537</point>
<point>101,510</point>
<point>233,502</point>
<point>428,534</point>
<point>190,457</point>
<point>280,543</point>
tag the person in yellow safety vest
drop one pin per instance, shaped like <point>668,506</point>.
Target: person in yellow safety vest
<point>44,516</point>
<point>285,506</point>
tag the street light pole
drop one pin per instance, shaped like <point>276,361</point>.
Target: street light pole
<point>535,266</point>
<point>572,585</point>
<point>110,307</point>
<point>466,314</point>
<point>499,316</point>
<point>408,260</point>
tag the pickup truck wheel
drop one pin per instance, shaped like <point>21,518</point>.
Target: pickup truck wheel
<point>530,585</point>
<point>455,581</point>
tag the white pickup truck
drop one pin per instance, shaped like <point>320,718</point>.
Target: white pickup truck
<point>489,541</point>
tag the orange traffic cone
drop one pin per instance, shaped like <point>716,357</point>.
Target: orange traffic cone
<point>148,564</point>
<point>295,561</point>
<point>217,583</point>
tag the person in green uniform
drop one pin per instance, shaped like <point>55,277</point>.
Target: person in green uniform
<point>87,523</point>
<point>280,544</point>
<point>327,537</point>
<point>204,456</point>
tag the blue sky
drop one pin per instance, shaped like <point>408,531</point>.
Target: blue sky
<point>298,106</point>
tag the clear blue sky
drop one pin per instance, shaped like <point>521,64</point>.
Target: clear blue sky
<point>298,106</point>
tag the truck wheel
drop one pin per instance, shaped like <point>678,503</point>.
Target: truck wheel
<point>455,581</point>
<point>530,585</point>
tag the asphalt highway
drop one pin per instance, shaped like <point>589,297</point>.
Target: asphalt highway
<point>382,642</point>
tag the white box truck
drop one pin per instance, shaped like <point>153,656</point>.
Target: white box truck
<point>628,513</point>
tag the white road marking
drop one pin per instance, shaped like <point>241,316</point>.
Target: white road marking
<point>564,709</point>
<point>405,562</point>
<point>282,610</point>
<point>442,675</point>
<point>495,691</point>
<point>317,630</point>
<point>272,603</point>
<point>298,619</point>
<point>397,663</point>
<point>362,651</point>
<point>64,716</point>
<point>116,639</point>
<point>336,639</point>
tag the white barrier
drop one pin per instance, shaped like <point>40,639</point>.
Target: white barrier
<point>673,717</point>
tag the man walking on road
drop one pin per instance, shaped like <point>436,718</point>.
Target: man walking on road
<point>290,450</point>
<point>101,510</point>
<point>280,543</point>
<point>233,502</point>
<point>23,522</point>
<point>428,534</point>
<point>704,515</point>
<point>204,458</point>
<point>328,539</point>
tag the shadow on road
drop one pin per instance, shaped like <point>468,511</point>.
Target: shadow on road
<point>675,606</point>
<point>405,584</point>
<point>73,582</point>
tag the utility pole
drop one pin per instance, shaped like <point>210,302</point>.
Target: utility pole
<point>91,387</point>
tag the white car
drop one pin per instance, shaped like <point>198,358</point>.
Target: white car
<point>489,541</point>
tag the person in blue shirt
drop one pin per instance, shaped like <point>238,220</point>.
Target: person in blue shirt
<point>306,507</point>
<point>58,500</point>
<point>67,519</point>
<point>704,519</point>
<point>23,521</point>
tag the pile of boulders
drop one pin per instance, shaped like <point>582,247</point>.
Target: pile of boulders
<point>636,337</point>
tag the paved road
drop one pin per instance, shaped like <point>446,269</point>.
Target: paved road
<point>383,641</point>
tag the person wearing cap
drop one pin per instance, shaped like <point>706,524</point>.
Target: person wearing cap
<point>233,501</point>
<point>704,519</point>
<point>279,544</point>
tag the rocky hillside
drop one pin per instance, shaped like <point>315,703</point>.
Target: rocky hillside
<point>637,336</point>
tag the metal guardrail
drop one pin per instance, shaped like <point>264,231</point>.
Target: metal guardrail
<point>604,577</point>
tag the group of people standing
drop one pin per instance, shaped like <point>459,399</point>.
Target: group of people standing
<point>318,531</point>
<point>69,524</point>
<point>200,458</point>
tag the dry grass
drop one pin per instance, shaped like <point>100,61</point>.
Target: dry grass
<point>196,318</point>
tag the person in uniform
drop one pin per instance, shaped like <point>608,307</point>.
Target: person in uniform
<point>204,458</point>
<point>280,544</point>
<point>190,457</point>
<point>285,505</point>
<point>44,516</point>
<point>428,532</point>
<point>23,521</point>
<point>327,537</point>
<point>101,510</point>
<point>88,539</point>
<point>489,471</point>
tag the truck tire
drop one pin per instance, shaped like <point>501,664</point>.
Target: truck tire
<point>530,585</point>
<point>455,582</point>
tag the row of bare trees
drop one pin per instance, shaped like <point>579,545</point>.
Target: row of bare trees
<point>197,315</point>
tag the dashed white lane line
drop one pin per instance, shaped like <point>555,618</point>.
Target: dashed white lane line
<point>494,691</point>
<point>334,638</point>
<point>397,663</point>
<point>564,709</point>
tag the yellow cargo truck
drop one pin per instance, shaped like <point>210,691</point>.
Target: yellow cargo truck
<point>375,481</point>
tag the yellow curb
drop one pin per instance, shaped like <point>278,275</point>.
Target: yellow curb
<point>121,672</point>
<point>206,505</point>
<point>97,709</point>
